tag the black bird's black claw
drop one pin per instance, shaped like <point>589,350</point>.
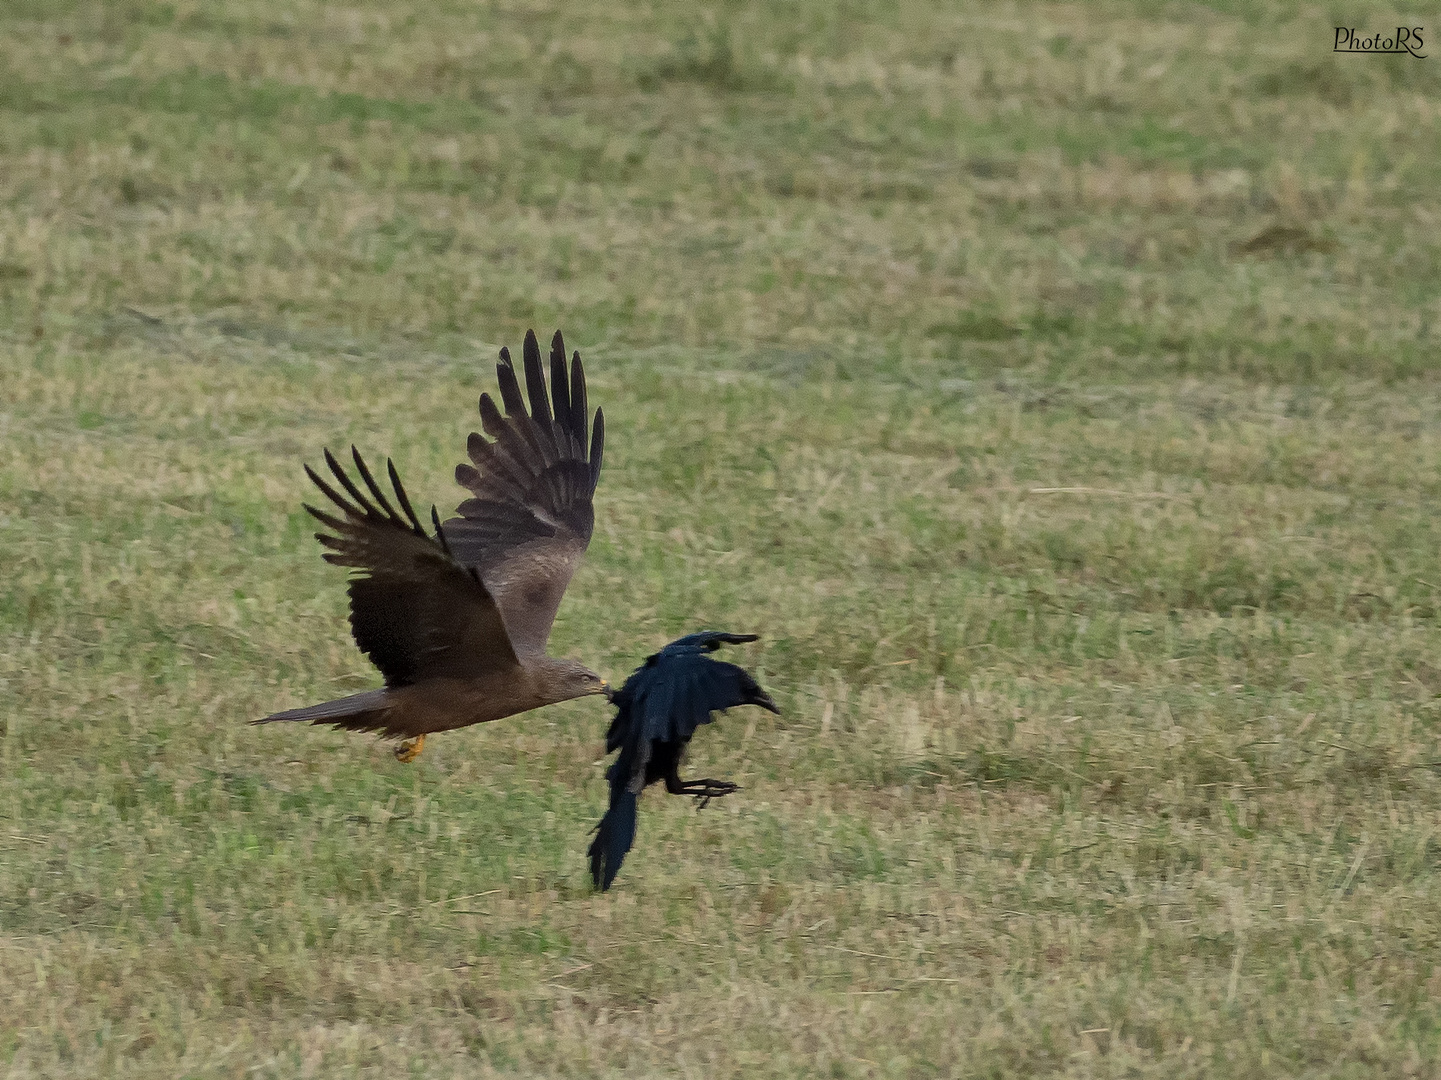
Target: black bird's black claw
<point>703,791</point>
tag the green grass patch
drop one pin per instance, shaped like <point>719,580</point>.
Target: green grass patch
<point>1053,389</point>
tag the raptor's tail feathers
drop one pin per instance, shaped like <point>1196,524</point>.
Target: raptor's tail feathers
<point>358,712</point>
<point>613,837</point>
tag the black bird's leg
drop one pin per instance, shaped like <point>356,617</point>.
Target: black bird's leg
<point>703,790</point>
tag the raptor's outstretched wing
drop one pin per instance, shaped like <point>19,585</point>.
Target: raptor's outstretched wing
<point>415,611</point>
<point>530,518</point>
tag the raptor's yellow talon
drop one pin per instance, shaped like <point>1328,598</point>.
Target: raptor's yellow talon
<point>408,751</point>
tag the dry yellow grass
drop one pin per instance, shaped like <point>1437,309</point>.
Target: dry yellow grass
<point>1052,386</point>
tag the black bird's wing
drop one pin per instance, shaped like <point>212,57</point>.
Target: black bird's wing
<point>675,691</point>
<point>704,641</point>
<point>530,518</point>
<point>414,610</point>
<point>663,702</point>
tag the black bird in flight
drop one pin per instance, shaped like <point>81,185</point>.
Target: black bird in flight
<point>657,712</point>
<point>457,620</point>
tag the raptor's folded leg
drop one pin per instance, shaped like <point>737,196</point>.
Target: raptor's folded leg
<point>409,750</point>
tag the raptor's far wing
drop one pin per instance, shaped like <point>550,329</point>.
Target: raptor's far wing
<point>530,516</point>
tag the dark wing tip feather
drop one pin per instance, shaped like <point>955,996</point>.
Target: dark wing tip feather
<point>314,479</point>
<point>339,473</point>
<point>579,407</point>
<point>363,509</point>
<point>330,493</point>
<point>509,387</point>
<point>535,381</point>
<point>560,386</point>
<point>597,447</point>
<point>329,521</point>
<point>404,499</point>
<point>375,489</point>
<point>439,532</point>
<point>491,420</point>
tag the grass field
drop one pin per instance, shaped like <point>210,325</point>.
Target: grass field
<point>1053,386</point>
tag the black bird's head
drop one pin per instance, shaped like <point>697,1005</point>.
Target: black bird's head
<point>709,641</point>
<point>754,695</point>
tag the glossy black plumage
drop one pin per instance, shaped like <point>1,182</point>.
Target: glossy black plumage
<point>657,711</point>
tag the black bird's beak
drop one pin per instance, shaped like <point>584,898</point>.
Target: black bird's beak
<point>761,698</point>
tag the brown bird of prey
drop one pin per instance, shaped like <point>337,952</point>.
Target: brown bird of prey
<point>457,620</point>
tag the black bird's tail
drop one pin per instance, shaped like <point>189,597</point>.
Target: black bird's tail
<point>614,835</point>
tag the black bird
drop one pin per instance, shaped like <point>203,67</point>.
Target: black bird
<point>657,712</point>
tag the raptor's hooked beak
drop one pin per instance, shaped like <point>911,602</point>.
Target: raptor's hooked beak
<point>605,688</point>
